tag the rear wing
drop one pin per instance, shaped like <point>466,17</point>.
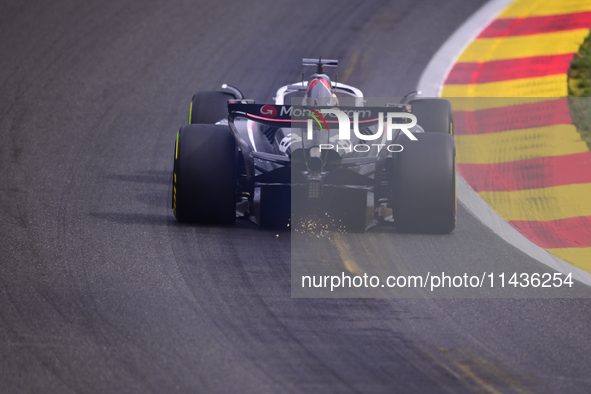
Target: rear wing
<point>320,63</point>
<point>298,116</point>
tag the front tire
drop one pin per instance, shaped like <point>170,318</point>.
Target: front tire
<point>209,107</point>
<point>424,185</point>
<point>204,178</point>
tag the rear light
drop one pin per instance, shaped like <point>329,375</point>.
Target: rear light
<point>314,187</point>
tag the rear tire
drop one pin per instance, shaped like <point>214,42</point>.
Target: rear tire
<point>204,179</point>
<point>209,107</point>
<point>433,115</point>
<point>424,185</point>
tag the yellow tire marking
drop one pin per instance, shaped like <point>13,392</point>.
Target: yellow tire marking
<point>487,49</point>
<point>549,203</point>
<point>518,144</point>
<point>174,196</point>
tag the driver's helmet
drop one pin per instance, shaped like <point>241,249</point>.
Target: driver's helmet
<point>319,92</point>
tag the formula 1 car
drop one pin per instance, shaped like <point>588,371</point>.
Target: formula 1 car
<point>321,148</point>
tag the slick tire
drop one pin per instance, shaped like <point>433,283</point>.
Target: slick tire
<point>433,115</point>
<point>209,107</point>
<point>204,178</point>
<point>424,185</point>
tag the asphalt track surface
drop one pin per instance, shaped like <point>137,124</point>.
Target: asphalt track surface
<point>101,290</point>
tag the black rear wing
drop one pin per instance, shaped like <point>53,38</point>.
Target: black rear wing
<point>320,63</point>
<point>297,115</point>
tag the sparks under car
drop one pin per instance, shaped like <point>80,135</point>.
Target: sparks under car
<point>390,163</point>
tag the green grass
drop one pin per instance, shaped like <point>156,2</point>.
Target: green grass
<point>579,86</point>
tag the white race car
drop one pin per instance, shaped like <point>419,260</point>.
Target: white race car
<point>320,148</point>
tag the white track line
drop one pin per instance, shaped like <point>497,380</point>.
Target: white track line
<point>430,85</point>
<point>441,63</point>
